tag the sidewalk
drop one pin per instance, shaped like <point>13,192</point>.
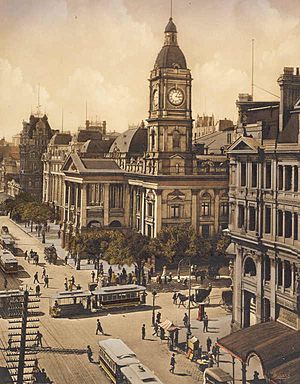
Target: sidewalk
<point>52,238</point>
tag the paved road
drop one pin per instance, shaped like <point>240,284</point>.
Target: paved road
<point>65,338</point>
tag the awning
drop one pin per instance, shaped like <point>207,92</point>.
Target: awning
<point>167,325</point>
<point>276,345</point>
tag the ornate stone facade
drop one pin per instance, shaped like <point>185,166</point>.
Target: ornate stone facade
<point>264,197</point>
<point>151,177</point>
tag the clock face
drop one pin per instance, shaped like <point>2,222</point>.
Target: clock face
<point>155,98</point>
<point>176,96</point>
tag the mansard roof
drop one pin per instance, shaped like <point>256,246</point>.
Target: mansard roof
<point>80,166</point>
<point>132,141</point>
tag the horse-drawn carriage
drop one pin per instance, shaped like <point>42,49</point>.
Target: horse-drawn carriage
<point>226,300</point>
<point>199,295</point>
<point>50,254</point>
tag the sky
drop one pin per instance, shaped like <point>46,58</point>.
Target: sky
<point>100,52</point>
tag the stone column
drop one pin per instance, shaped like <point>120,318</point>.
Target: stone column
<point>142,197</point>
<point>237,293</point>
<point>106,204</point>
<point>273,289</point>
<point>126,199</point>
<point>259,289</point>
<point>216,212</point>
<point>157,212</point>
<point>195,209</point>
<point>83,209</point>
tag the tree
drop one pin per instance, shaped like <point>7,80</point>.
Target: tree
<point>131,248</point>
<point>175,242</point>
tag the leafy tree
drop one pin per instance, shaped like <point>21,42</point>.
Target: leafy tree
<point>131,248</point>
<point>176,242</point>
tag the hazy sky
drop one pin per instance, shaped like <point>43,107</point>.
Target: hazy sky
<point>103,50</point>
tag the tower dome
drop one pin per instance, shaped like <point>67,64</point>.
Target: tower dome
<point>171,56</point>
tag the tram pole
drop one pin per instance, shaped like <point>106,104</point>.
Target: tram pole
<point>23,340</point>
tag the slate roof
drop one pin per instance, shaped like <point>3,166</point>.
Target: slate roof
<point>277,346</point>
<point>96,146</point>
<point>61,138</point>
<point>134,140</point>
<point>169,56</point>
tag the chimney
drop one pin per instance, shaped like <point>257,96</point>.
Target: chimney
<point>104,127</point>
<point>289,83</point>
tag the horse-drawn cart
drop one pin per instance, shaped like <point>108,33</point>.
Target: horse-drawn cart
<point>50,254</point>
<point>199,295</point>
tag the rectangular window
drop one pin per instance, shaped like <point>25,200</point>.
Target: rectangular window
<point>267,219</point>
<point>138,202</point>
<point>254,175</point>
<point>295,226</point>
<point>268,175</point>
<point>205,209</point>
<point>267,268</point>
<point>243,174</point>
<point>205,230</point>
<point>224,209</point>
<point>279,223</point>
<point>288,178</point>
<point>296,182</point>
<point>241,216</point>
<point>288,224</point>
<point>149,209</point>
<point>229,139</point>
<point>280,177</point>
<point>175,211</point>
<point>279,272</point>
<point>252,218</point>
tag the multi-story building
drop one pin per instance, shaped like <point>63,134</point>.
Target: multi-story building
<point>151,177</point>
<point>92,140</point>
<point>264,197</point>
<point>35,137</point>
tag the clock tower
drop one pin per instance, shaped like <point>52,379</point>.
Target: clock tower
<point>170,116</point>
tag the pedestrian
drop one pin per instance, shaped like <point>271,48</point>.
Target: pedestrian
<point>72,280</point>
<point>99,327</point>
<point>66,259</point>
<point>185,320</point>
<point>44,273</point>
<point>174,298</point>
<point>25,255</point>
<point>58,234</point>
<point>143,332</point>
<point>66,286</point>
<point>36,259</point>
<point>205,323</point>
<point>5,282</point>
<point>36,278</point>
<point>38,339</point>
<point>48,228</point>
<point>93,276</point>
<point>89,353</point>
<point>208,344</point>
<point>172,363</point>
<point>37,290</point>
<point>155,329</point>
<point>158,317</point>
<point>46,281</point>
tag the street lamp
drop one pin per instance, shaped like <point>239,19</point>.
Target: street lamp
<point>188,332</point>
<point>154,293</point>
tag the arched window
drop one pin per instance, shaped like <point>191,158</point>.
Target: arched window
<point>206,204</point>
<point>176,139</point>
<point>249,267</point>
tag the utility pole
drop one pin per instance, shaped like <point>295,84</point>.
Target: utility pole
<point>252,69</point>
<point>20,355</point>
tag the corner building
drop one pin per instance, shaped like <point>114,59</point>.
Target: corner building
<point>151,176</point>
<point>264,195</point>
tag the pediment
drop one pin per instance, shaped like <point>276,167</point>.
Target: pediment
<point>177,156</point>
<point>176,195</point>
<point>70,165</point>
<point>244,145</point>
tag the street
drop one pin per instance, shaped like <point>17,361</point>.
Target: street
<point>65,340</point>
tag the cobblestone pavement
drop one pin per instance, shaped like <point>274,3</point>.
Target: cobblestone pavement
<point>65,339</point>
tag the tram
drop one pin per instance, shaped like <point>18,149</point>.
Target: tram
<point>138,374</point>
<point>8,262</point>
<point>119,296</point>
<point>113,356</point>
<point>68,303</point>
